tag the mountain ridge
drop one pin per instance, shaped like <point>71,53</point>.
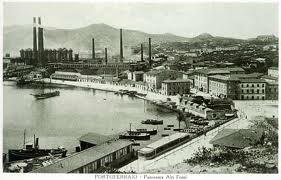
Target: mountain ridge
<point>16,37</point>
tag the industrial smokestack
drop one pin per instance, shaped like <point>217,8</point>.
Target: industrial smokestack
<point>40,43</point>
<point>93,49</point>
<point>149,51</point>
<point>34,40</point>
<point>105,55</point>
<point>141,52</point>
<point>121,46</point>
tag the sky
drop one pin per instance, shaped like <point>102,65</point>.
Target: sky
<point>238,20</point>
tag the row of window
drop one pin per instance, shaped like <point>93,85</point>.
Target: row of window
<point>252,97</point>
<point>252,91</point>
<point>253,85</point>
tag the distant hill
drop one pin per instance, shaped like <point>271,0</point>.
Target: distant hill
<point>80,39</point>
<point>216,40</point>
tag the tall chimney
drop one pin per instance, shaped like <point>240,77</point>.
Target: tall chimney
<point>40,43</point>
<point>121,46</point>
<point>149,51</point>
<point>141,52</point>
<point>34,41</point>
<point>105,55</point>
<point>93,49</point>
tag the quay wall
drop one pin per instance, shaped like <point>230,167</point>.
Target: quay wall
<point>111,87</point>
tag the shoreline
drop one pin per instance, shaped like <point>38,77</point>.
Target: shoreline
<point>150,96</point>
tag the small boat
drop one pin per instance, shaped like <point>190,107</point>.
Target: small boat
<point>170,125</point>
<point>201,122</point>
<point>22,81</point>
<point>167,128</point>
<point>149,131</point>
<point>152,121</point>
<point>135,136</point>
<point>29,151</point>
<point>46,95</point>
<point>165,135</point>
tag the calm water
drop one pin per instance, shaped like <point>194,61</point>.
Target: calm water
<point>62,120</point>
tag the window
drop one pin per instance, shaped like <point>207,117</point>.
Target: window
<point>263,91</point>
<point>258,85</point>
<point>247,85</point>
<point>242,85</point>
<point>242,96</point>
<point>252,97</point>
<point>262,85</point>
<point>253,91</point>
<point>253,85</point>
<point>258,91</point>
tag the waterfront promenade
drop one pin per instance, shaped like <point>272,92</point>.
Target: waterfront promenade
<point>150,96</point>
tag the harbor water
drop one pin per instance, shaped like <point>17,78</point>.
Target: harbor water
<point>61,120</point>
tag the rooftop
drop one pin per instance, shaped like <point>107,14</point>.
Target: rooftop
<point>94,138</point>
<point>220,70</point>
<point>252,80</point>
<point>83,158</point>
<point>237,138</point>
<point>176,81</point>
<point>166,140</point>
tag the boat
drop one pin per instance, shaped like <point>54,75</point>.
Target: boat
<point>135,136</point>
<point>149,131</point>
<point>32,151</point>
<point>46,95</point>
<point>152,121</point>
<point>203,123</point>
<point>22,81</point>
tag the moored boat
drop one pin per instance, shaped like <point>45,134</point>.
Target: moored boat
<point>46,95</point>
<point>23,81</point>
<point>32,151</point>
<point>135,136</point>
<point>203,123</point>
<point>149,131</point>
<point>152,121</point>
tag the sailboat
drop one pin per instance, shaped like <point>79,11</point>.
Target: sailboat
<point>32,151</point>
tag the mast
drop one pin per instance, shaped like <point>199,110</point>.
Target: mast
<point>130,127</point>
<point>24,138</point>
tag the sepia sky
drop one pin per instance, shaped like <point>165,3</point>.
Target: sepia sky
<point>239,20</point>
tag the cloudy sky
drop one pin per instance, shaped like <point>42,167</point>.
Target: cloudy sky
<point>240,20</point>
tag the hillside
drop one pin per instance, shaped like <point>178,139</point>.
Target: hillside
<point>17,37</point>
